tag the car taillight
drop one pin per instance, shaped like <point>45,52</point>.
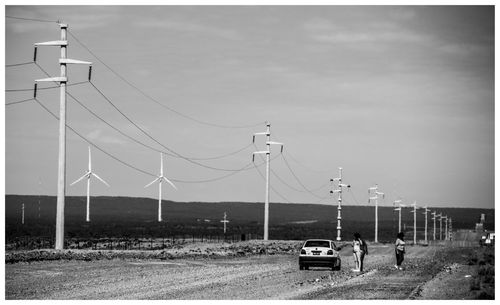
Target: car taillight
<point>303,251</point>
<point>330,252</point>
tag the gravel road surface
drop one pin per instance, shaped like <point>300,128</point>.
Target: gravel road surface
<point>247,277</point>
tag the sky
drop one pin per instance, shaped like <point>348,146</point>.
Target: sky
<point>398,96</point>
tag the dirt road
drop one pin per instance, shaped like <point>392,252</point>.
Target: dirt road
<point>252,277</point>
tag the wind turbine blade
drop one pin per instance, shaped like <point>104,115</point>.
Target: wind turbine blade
<point>170,182</point>
<point>152,182</point>
<point>161,164</point>
<point>90,162</point>
<point>102,180</point>
<point>80,179</point>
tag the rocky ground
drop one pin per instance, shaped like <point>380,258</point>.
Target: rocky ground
<point>247,270</point>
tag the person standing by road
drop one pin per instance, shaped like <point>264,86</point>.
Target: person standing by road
<point>400,250</point>
<point>359,250</point>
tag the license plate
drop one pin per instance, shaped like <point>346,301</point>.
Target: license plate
<point>316,253</point>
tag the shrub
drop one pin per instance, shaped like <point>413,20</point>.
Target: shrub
<point>475,284</point>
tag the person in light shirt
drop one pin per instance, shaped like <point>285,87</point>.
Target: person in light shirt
<point>359,250</point>
<point>400,250</point>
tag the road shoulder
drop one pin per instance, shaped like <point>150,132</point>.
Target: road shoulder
<point>452,283</point>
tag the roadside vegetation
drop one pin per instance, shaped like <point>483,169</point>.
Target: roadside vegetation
<point>483,283</point>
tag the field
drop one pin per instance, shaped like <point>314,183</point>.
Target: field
<point>125,217</point>
<point>250,270</point>
<point>124,253</point>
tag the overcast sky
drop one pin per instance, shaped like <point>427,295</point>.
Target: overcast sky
<point>401,96</point>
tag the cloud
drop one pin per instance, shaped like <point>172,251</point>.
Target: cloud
<point>325,31</point>
<point>76,17</point>
<point>96,135</point>
<point>467,49</point>
<point>188,27</point>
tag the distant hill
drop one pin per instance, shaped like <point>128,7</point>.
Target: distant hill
<point>127,216</point>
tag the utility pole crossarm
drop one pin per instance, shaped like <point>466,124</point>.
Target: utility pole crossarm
<point>55,43</point>
<point>61,173</point>
<point>53,79</point>
<point>268,142</point>
<point>74,61</point>
<point>376,192</point>
<point>340,185</point>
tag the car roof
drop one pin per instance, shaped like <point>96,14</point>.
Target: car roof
<point>317,239</point>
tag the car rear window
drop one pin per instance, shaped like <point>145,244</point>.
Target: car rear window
<point>317,243</point>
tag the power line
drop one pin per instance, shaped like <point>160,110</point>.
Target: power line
<point>306,167</point>
<point>33,19</point>
<point>291,187</point>
<point>152,138</point>
<point>113,127</point>
<point>298,180</point>
<point>18,102</point>
<point>19,64</point>
<point>175,154</point>
<point>146,145</point>
<point>225,155</point>
<point>353,197</point>
<point>137,88</point>
<point>44,88</point>
<point>272,188</point>
<point>93,144</point>
<point>218,178</point>
<point>138,169</point>
<point>156,101</point>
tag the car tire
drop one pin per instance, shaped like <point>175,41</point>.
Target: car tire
<point>337,266</point>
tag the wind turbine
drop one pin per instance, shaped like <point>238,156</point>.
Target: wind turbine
<point>87,175</point>
<point>160,179</point>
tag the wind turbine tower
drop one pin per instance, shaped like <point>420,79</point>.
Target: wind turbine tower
<point>160,179</point>
<point>87,175</point>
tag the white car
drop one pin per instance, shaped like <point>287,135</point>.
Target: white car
<point>319,252</point>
